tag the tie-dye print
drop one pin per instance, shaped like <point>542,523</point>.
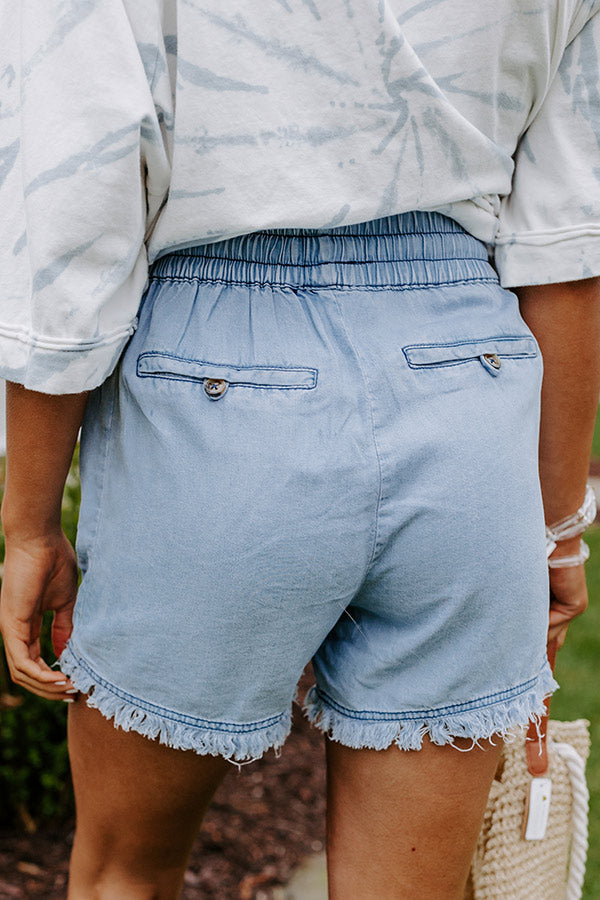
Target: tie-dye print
<point>132,127</point>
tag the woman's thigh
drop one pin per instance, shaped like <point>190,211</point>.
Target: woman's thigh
<point>139,807</point>
<point>404,823</point>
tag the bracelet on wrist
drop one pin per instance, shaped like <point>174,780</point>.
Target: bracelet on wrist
<point>575,559</point>
<point>569,527</point>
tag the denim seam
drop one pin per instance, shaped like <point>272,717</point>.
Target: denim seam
<point>107,435</point>
<point>233,384</point>
<point>502,338</point>
<point>207,362</point>
<point>334,262</point>
<point>405,286</point>
<point>174,376</point>
<point>438,712</point>
<point>234,727</point>
<point>375,447</point>
<point>397,234</point>
<point>470,359</point>
<point>435,364</point>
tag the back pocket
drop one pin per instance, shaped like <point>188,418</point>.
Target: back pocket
<point>489,352</point>
<point>217,377</point>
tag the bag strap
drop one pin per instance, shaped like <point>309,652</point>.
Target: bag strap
<point>579,818</point>
<point>536,741</point>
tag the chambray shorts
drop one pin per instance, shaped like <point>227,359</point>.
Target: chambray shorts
<point>318,445</point>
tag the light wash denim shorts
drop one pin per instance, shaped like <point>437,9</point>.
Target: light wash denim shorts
<point>318,445</point>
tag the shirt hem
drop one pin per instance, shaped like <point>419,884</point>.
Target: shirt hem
<point>548,257</point>
<point>56,369</point>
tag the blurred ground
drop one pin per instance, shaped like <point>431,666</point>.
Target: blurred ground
<point>264,821</point>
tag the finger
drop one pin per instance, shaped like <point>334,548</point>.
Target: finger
<point>561,615</point>
<point>561,639</point>
<point>28,668</point>
<point>46,667</point>
<point>63,686</point>
<point>558,618</point>
<point>558,632</point>
<point>57,691</point>
<point>62,626</point>
<point>574,607</point>
<point>63,679</point>
<point>561,636</point>
<point>40,691</point>
<point>36,671</point>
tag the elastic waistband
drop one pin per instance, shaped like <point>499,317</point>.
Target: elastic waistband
<point>410,250</point>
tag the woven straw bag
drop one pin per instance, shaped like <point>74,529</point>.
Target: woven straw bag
<point>506,866</point>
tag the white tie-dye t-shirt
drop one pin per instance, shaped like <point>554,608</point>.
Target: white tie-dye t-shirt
<point>132,127</point>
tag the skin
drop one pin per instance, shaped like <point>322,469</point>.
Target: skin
<point>400,823</point>
<point>565,318</point>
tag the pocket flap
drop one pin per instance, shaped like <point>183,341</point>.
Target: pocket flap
<point>421,355</point>
<point>165,365</point>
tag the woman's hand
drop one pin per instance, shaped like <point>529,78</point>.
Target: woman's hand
<point>39,574</point>
<point>568,592</point>
<point>40,568</point>
<point>568,598</point>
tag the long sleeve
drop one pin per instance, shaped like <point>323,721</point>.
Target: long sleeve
<point>83,168</point>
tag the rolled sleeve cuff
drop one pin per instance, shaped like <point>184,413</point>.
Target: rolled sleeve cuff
<point>548,257</point>
<point>60,367</point>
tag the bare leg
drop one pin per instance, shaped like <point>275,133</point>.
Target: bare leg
<point>139,807</point>
<point>404,824</point>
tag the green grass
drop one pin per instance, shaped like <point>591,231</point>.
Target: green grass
<point>577,672</point>
<point>596,442</point>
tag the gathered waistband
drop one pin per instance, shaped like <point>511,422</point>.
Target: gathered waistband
<point>411,250</point>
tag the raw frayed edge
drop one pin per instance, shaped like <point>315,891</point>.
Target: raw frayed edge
<point>506,718</point>
<point>238,748</point>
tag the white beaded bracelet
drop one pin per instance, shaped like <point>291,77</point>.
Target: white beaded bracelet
<point>566,562</point>
<point>570,527</point>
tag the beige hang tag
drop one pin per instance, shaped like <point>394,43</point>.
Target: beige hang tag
<point>537,809</point>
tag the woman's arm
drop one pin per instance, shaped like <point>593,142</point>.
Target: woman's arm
<point>565,318</point>
<point>40,569</point>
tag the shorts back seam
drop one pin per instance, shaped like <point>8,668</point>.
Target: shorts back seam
<point>375,447</point>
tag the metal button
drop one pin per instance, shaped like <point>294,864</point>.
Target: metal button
<point>493,359</point>
<point>215,387</point>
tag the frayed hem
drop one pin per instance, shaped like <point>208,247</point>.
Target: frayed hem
<point>244,746</point>
<point>505,718</point>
